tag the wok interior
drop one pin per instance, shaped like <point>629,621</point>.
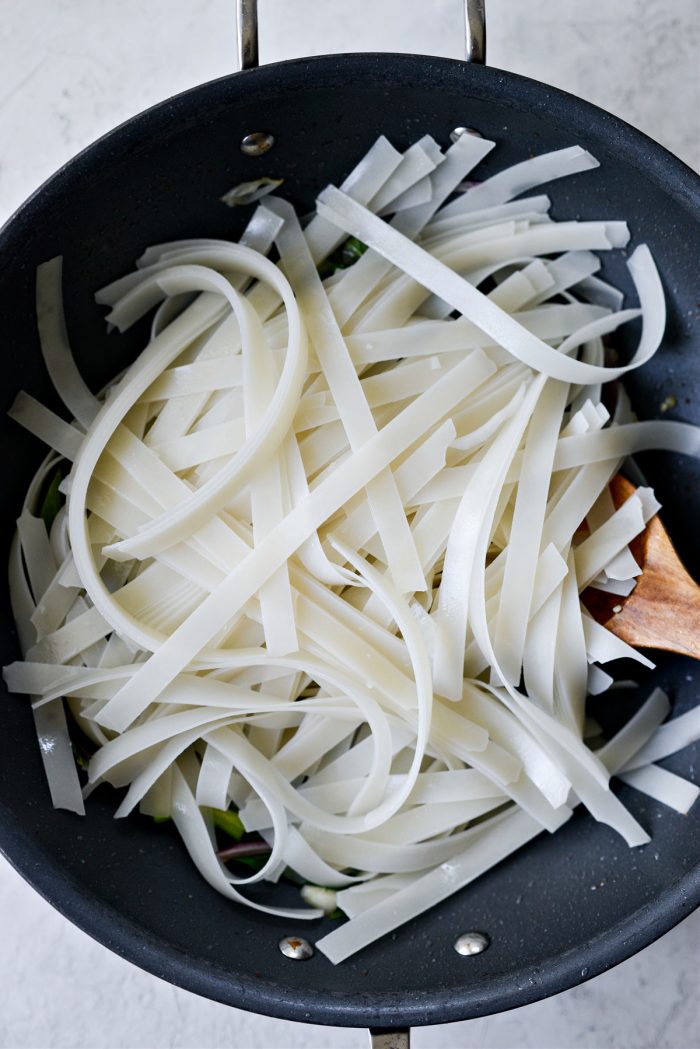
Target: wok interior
<point>568,905</point>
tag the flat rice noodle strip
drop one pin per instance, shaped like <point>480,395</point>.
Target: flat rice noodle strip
<point>37,553</point>
<point>59,533</point>
<point>225,405</point>
<point>57,757</point>
<point>337,638</point>
<point>438,278</point>
<point>474,235</point>
<point>521,286</point>
<point>402,381</point>
<point>63,437</point>
<point>599,291</point>
<point>158,801</point>
<point>411,475</point>
<point>539,654</point>
<point>312,741</point>
<point>439,309</point>
<point>598,681</point>
<point>584,770</point>
<point>188,451</point>
<point>202,376</point>
<point>498,213</point>
<point>420,662</point>
<point>213,780</point>
<point>469,534</point>
<point>348,394</point>
<point>116,653</point>
<point>428,337</point>
<point>623,566</point>
<point>569,269</point>
<point>378,889</point>
<point>415,164</point>
<point>636,733</point>
<point>299,855</point>
<point>505,729</point>
<point>543,725</point>
<point>173,525</point>
<point>551,570</point>
<point>664,786</point>
<point>483,847</point>
<point>319,605</point>
<point>460,785</point>
<point>523,549</point>
<point>564,517</point>
<point>222,604</point>
<point>44,679</point>
<point>423,339</point>
<point>267,498</point>
<point>158,354</point>
<point>143,596</point>
<point>142,738</point>
<point>71,639</point>
<point>199,842</point>
<point>188,321</point>
<point>167,312</point>
<point>674,735</point>
<point>259,235</point>
<point>419,193</point>
<point>144,778</point>
<point>618,442</point>
<point>570,662</point>
<point>222,544</point>
<point>418,823</point>
<point>379,857</point>
<point>521,178</point>
<point>356,761</point>
<point>310,553</point>
<point>599,548</point>
<point>55,348</point>
<point>50,723</point>
<point>460,257</point>
<point>180,414</point>
<point>362,184</point>
<point>258,770</point>
<point>451,732</point>
<point>56,601</point>
<point>362,278</point>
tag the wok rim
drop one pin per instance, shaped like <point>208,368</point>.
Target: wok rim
<point>154,954</point>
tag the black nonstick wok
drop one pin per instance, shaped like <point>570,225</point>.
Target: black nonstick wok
<point>570,905</point>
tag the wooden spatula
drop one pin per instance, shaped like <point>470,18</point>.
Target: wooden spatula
<point>663,610</point>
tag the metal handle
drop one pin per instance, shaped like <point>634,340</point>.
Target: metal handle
<point>390,1038</point>
<point>474,32</point>
<point>247,34</point>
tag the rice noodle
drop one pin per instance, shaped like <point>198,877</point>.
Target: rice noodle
<point>329,590</point>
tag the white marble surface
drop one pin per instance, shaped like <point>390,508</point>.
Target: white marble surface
<point>72,69</point>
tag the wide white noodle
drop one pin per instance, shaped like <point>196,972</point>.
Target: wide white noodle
<point>306,581</point>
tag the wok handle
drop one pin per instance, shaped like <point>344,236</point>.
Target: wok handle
<point>390,1038</point>
<point>474,32</point>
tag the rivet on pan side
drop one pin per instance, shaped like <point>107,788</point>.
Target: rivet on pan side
<point>296,947</point>
<point>257,143</point>
<point>471,943</point>
<point>459,131</point>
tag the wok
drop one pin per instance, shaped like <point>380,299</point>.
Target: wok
<point>569,905</point>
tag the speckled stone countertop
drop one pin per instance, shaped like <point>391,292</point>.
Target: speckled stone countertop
<point>72,69</point>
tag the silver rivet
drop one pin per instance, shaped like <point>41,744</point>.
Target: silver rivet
<point>459,131</point>
<point>257,143</point>
<point>471,943</point>
<point>296,947</point>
